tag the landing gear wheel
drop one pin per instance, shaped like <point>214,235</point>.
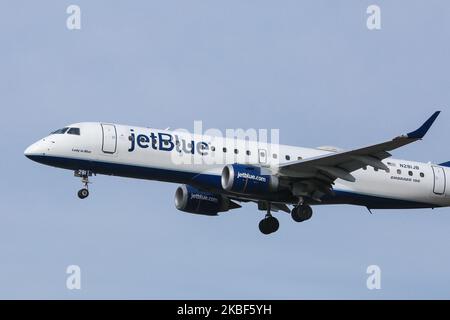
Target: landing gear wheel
<point>296,215</point>
<point>84,175</point>
<point>269,225</point>
<point>301,213</point>
<point>83,193</point>
<point>264,227</point>
<point>274,225</point>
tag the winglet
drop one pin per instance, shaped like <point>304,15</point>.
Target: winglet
<point>420,133</point>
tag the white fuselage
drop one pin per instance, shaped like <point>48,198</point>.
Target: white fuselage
<point>155,154</point>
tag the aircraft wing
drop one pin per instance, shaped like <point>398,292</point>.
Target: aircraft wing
<point>319,173</point>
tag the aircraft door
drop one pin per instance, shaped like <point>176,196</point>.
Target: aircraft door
<point>439,180</point>
<point>109,138</point>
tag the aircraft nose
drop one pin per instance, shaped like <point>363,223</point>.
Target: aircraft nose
<point>35,149</point>
<point>30,150</point>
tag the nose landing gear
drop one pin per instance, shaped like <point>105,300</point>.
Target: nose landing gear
<point>84,175</point>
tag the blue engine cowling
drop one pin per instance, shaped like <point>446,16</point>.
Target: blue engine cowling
<point>246,179</point>
<point>192,200</point>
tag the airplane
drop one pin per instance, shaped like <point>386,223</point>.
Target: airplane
<point>274,176</point>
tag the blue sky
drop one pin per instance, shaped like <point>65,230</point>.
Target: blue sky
<point>310,68</point>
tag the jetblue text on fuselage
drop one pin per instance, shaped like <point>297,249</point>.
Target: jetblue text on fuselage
<point>166,142</point>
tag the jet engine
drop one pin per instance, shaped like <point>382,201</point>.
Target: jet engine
<point>192,200</point>
<point>247,179</point>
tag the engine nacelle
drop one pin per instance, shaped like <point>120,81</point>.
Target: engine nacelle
<point>192,200</point>
<point>246,179</point>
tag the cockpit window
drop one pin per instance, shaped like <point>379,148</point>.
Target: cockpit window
<point>60,131</point>
<point>75,131</point>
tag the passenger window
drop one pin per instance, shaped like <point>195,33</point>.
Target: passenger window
<point>236,151</point>
<point>410,173</point>
<point>422,175</point>
<point>399,171</point>
<point>275,156</point>
<point>299,158</point>
<point>224,149</point>
<point>288,157</point>
<point>248,152</point>
<point>213,148</point>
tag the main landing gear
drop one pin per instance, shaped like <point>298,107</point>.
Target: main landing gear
<point>84,175</point>
<point>269,224</point>
<point>301,213</point>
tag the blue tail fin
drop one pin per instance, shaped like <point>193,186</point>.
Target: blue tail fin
<point>445,164</point>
